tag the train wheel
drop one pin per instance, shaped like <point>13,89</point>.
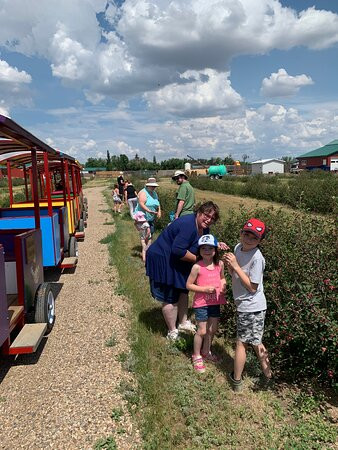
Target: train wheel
<point>73,247</point>
<point>81,225</point>
<point>45,306</point>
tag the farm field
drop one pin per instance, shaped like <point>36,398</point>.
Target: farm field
<point>178,408</point>
<point>224,201</point>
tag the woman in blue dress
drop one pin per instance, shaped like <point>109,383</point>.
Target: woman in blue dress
<point>149,203</point>
<point>169,261</point>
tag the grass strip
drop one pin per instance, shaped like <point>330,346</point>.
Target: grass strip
<point>179,408</point>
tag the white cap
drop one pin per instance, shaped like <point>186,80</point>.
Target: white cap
<point>179,173</point>
<point>208,239</point>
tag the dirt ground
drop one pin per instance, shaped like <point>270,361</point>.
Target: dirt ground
<point>63,396</point>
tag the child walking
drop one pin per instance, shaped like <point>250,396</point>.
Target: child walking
<point>246,266</point>
<point>117,199</point>
<point>143,227</point>
<point>207,280</point>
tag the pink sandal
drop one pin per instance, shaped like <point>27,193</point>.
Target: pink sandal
<point>210,357</point>
<point>198,364</point>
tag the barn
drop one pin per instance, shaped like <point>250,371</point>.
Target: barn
<point>325,158</point>
<point>267,166</point>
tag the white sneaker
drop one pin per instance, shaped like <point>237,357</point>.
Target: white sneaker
<point>172,335</point>
<point>187,327</point>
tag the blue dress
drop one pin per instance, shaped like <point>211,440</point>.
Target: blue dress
<point>163,261</point>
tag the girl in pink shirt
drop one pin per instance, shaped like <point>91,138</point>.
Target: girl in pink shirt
<point>207,280</point>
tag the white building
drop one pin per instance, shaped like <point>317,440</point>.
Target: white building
<point>269,166</point>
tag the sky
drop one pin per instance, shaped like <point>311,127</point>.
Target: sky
<point>169,78</point>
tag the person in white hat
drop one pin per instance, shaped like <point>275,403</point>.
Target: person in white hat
<point>148,203</point>
<point>185,196</point>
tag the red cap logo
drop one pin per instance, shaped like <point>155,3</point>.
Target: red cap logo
<point>255,226</point>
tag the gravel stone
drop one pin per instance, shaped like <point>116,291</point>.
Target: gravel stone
<point>62,396</point>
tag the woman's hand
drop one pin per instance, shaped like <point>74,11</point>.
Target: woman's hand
<point>223,246</point>
<point>159,214</point>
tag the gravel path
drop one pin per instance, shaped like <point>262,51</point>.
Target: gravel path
<point>63,396</point>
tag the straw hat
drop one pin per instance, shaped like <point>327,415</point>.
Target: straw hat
<point>151,182</point>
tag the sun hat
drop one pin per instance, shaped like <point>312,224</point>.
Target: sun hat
<point>208,239</point>
<point>121,173</point>
<point>255,226</point>
<point>140,217</point>
<point>178,173</point>
<point>151,182</point>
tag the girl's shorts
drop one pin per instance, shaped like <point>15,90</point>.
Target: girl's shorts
<point>250,327</point>
<point>164,293</point>
<point>203,313</point>
<point>117,201</point>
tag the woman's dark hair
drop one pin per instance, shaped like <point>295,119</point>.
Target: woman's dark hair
<point>207,208</point>
<point>215,259</point>
<point>116,186</point>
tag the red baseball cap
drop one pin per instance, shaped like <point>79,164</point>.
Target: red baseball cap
<point>255,226</point>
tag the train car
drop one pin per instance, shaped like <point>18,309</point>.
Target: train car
<point>27,303</point>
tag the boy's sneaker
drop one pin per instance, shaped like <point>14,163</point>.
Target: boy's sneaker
<point>172,335</point>
<point>187,327</point>
<point>237,385</point>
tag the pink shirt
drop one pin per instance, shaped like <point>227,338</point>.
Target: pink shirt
<point>208,277</point>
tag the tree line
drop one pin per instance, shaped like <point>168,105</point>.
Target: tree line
<point>122,162</point>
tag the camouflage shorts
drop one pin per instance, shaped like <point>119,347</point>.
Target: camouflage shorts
<point>250,327</point>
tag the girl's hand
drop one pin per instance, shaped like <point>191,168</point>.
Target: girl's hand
<point>223,246</point>
<point>209,289</point>
<point>230,260</point>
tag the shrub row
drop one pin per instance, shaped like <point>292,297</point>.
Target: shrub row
<point>308,191</point>
<point>300,284</point>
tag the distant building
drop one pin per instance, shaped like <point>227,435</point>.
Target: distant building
<point>325,158</point>
<point>267,166</point>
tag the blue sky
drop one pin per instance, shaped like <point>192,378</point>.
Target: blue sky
<point>171,78</point>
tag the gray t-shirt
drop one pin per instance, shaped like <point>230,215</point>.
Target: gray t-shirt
<point>253,264</point>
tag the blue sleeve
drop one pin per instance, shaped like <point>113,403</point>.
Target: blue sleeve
<point>184,239</point>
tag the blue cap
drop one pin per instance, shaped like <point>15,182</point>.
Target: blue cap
<point>208,239</point>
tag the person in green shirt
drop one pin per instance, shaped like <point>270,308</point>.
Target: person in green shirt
<point>185,195</point>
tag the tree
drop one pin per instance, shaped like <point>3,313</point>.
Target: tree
<point>109,165</point>
<point>228,160</point>
<point>96,162</point>
<point>123,162</point>
<point>245,157</point>
<point>288,161</point>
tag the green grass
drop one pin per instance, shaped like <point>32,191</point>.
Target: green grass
<point>177,408</point>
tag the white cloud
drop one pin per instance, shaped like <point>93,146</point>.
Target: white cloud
<point>152,41</point>
<point>13,87</point>
<point>204,93</point>
<point>4,110</point>
<point>281,84</point>
<point>12,75</point>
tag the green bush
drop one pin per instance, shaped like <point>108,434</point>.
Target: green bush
<point>312,191</point>
<point>300,282</point>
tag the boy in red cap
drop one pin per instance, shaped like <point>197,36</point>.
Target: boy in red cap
<point>246,266</point>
